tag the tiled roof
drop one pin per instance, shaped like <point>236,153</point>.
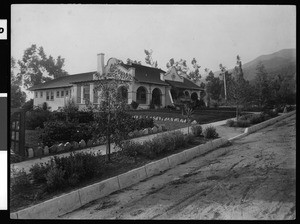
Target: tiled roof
<point>65,81</point>
<point>147,74</point>
<point>186,84</point>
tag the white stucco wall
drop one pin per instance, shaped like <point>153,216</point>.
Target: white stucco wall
<point>56,102</point>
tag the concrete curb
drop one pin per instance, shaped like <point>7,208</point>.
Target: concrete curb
<point>69,202</point>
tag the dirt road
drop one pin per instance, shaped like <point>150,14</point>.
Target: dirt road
<point>254,178</point>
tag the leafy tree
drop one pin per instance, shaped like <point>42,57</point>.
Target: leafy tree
<point>213,86</point>
<point>239,93</point>
<point>129,61</point>
<point>184,70</point>
<point>224,73</point>
<point>36,67</point>
<point>111,119</point>
<point>18,97</point>
<point>149,60</point>
<point>28,105</point>
<point>202,93</point>
<point>262,85</point>
<point>282,88</point>
<point>239,90</point>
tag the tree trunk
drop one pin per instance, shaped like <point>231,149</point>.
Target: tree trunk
<point>237,112</point>
<point>108,137</point>
<point>108,147</point>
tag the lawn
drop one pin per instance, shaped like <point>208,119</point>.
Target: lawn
<point>205,116</point>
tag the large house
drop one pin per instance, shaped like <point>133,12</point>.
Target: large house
<point>143,85</point>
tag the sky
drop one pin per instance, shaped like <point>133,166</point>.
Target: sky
<point>212,34</point>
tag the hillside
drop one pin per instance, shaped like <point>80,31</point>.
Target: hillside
<point>283,61</point>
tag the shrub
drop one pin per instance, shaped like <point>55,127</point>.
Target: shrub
<point>256,118</point>
<point>198,104</point>
<point>19,180</point>
<point>55,178</point>
<point>271,113</point>
<point>210,132</point>
<point>189,139</point>
<point>134,104</point>
<point>36,118</point>
<point>28,106</point>
<point>179,139</point>
<point>62,131</point>
<point>243,123</point>
<point>171,107</point>
<point>197,130</point>
<point>230,123</point>
<point>39,172</point>
<point>73,116</point>
<point>131,149</point>
<point>84,165</point>
<point>15,158</point>
<point>245,117</point>
<point>151,106</point>
<point>142,123</point>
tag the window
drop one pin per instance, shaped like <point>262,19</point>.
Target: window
<point>141,95</point>
<point>36,94</point>
<point>78,94</point>
<point>67,92</point>
<point>47,96</point>
<point>96,96</point>
<point>86,92</point>
<point>62,93</point>
<point>57,94</point>
<point>41,94</point>
<point>52,95</point>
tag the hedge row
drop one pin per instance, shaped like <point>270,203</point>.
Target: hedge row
<point>62,172</point>
<point>251,119</point>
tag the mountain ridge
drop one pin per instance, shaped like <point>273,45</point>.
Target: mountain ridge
<point>281,61</point>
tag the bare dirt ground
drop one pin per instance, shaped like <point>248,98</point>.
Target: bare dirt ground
<point>254,178</point>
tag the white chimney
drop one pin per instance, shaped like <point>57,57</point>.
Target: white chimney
<point>100,63</point>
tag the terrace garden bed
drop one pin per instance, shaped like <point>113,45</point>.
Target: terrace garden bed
<point>50,179</point>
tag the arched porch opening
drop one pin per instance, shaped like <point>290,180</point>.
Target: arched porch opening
<point>122,93</point>
<point>156,97</point>
<point>194,96</point>
<point>141,95</point>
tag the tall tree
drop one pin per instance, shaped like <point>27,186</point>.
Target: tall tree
<point>239,92</point>
<point>36,67</point>
<point>224,73</point>
<point>184,70</point>
<point>149,59</point>
<point>17,96</point>
<point>213,86</point>
<point>261,85</point>
<point>111,119</point>
<point>129,61</point>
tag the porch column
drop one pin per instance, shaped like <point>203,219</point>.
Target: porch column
<point>92,93</point>
<point>74,94</point>
<point>163,99</point>
<point>81,96</point>
<point>131,94</point>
